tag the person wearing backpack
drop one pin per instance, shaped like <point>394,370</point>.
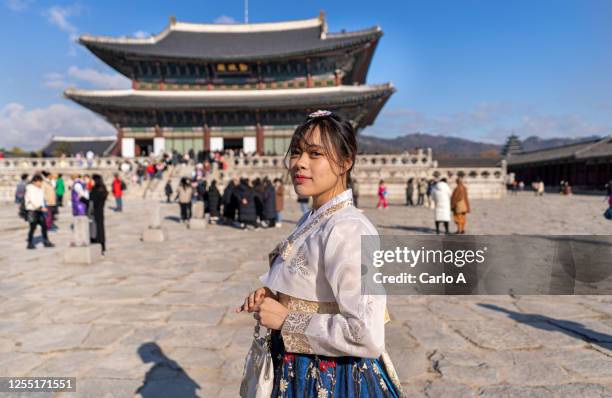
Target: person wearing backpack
<point>21,189</point>
<point>118,188</point>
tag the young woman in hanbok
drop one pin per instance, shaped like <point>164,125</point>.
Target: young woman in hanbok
<point>328,339</point>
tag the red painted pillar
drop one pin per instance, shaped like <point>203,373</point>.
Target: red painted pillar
<point>259,130</point>
<point>117,148</point>
<point>308,75</point>
<point>206,137</point>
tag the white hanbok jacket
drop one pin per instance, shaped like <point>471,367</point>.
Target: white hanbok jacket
<point>317,274</point>
<point>441,195</point>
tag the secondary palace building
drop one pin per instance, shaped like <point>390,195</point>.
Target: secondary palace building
<point>211,87</point>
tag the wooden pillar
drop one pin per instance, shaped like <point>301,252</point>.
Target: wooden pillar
<point>260,84</point>
<point>337,77</point>
<point>308,75</point>
<point>206,137</point>
<point>117,149</point>
<point>162,76</point>
<point>259,130</point>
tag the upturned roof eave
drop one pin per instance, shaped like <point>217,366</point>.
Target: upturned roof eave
<point>326,47</point>
<point>280,98</point>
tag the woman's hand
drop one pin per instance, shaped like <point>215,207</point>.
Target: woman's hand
<point>254,298</point>
<point>270,313</point>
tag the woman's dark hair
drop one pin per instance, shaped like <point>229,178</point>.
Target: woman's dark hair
<point>338,138</point>
<point>98,183</point>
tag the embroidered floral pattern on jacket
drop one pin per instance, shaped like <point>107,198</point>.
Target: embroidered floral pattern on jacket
<point>313,307</point>
<point>293,330</point>
<point>298,264</point>
<point>297,322</point>
<point>286,247</point>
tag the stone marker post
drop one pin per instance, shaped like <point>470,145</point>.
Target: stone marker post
<point>154,231</point>
<point>197,220</point>
<point>81,251</point>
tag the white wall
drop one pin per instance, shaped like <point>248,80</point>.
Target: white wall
<point>127,147</point>
<point>249,144</point>
<point>159,145</point>
<point>216,143</point>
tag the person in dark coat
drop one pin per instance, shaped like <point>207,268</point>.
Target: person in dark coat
<point>98,196</point>
<point>269,203</point>
<point>214,201</point>
<point>246,204</point>
<point>409,192</point>
<point>229,208</point>
<point>203,195</point>
<point>258,190</point>
<point>168,191</point>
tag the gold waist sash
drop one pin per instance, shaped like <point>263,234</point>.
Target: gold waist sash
<point>314,307</point>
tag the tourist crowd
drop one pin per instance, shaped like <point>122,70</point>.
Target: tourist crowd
<point>40,197</point>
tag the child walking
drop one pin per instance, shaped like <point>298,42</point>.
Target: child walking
<point>382,195</point>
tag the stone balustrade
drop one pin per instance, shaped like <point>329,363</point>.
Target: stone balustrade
<point>395,170</point>
<point>11,170</point>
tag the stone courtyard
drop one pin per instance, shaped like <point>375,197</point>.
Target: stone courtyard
<point>158,317</point>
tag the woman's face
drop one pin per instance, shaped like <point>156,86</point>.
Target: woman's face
<point>312,173</point>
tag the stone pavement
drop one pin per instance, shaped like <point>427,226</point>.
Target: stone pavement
<point>158,317</point>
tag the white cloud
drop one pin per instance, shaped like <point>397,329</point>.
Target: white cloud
<point>95,79</point>
<point>224,19</point>
<point>55,80</point>
<point>141,34</point>
<point>99,79</point>
<point>17,5</point>
<point>59,17</point>
<point>547,126</point>
<point>31,128</point>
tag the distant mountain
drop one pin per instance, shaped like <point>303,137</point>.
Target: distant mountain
<point>534,143</point>
<point>453,147</point>
<point>442,146</point>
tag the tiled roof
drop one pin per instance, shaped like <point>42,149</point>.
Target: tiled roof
<point>235,41</point>
<point>581,150</point>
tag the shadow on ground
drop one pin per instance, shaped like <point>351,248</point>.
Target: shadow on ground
<point>166,378</point>
<point>543,322</point>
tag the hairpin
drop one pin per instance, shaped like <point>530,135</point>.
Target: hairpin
<point>319,113</point>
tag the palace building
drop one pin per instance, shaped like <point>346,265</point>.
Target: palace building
<point>586,165</point>
<point>207,87</point>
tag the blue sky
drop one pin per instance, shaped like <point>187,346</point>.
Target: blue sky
<point>478,69</point>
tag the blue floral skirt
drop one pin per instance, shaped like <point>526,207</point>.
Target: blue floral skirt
<point>318,376</point>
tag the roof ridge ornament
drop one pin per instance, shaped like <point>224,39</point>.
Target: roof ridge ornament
<point>172,20</point>
<point>323,24</point>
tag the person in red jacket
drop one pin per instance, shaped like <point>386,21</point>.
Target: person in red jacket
<point>118,187</point>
